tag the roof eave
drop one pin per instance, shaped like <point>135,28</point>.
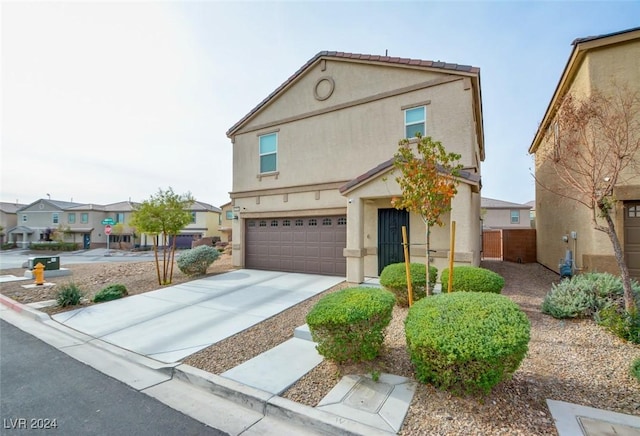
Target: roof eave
<point>580,48</point>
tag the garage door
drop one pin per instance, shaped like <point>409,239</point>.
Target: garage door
<point>311,245</point>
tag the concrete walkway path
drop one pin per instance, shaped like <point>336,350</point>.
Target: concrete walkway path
<point>177,321</point>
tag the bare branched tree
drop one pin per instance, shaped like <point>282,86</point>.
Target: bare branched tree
<point>596,146</point>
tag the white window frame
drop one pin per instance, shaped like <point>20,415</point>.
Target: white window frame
<point>55,218</point>
<point>515,216</point>
<point>82,216</point>
<point>415,123</point>
<point>269,153</point>
<point>71,218</point>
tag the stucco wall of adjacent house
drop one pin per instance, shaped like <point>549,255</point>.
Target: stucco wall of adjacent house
<point>501,219</point>
<point>603,69</point>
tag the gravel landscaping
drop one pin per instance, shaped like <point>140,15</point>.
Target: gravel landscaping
<point>568,360</point>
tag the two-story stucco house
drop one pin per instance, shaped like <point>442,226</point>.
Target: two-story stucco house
<point>603,64</point>
<point>499,214</point>
<point>8,217</point>
<point>312,164</point>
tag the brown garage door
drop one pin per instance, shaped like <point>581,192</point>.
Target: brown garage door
<point>303,244</point>
<point>632,238</point>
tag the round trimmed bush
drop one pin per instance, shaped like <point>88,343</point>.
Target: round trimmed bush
<point>197,260</point>
<point>111,292</point>
<point>466,342</point>
<point>394,279</point>
<point>348,325</point>
<point>472,279</point>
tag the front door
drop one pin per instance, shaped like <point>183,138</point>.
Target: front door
<point>86,241</point>
<point>390,222</point>
<point>632,238</point>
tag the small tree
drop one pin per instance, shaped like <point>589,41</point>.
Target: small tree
<point>428,182</point>
<point>597,147</point>
<point>163,216</point>
<point>118,230</point>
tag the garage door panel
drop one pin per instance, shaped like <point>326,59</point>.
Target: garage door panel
<point>311,245</point>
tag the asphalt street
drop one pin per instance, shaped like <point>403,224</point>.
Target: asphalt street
<point>42,390</point>
<point>16,258</point>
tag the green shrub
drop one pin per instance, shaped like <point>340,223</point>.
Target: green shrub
<point>466,342</point>
<point>197,260</point>
<point>585,294</point>
<point>621,323</point>
<point>111,292</point>
<point>472,279</point>
<point>394,279</point>
<point>348,325</point>
<point>635,369</point>
<point>69,295</point>
<point>8,246</point>
<point>54,246</point>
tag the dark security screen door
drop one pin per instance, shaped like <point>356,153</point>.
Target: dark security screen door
<point>390,222</point>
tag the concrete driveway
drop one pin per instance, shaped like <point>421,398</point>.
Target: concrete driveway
<point>177,321</point>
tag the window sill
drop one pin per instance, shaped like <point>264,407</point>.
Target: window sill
<point>271,174</point>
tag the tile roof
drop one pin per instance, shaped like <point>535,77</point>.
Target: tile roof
<point>606,35</point>
<point>7,207</point>
<point>491,203</point>
<point>388,164</point>
<point>359,57</point>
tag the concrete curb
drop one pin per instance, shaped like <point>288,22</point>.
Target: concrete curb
<point>274,406</point>
<point>23,309</point>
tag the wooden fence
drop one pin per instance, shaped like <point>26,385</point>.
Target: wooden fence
<point>511,245</point>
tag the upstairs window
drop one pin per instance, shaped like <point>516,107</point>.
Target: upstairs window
<point>72,218</point>
<point>120,217</point>
<point>55,218</point>
<point>84,218</point>
<point>193,217</point>
<point>515,217</point>
<point>415,121</point>
<point>268,152</point>
<point>229,214</point>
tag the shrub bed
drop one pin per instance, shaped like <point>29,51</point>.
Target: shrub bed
<point>394,279</point>
<point>196,261</point>
<point>466,342</point>
<point>54,246</point>
<point>472,279</point>
<point>348,325</point>
<point>111,292</point>
<point>69,295</point>
<point>584,295</point>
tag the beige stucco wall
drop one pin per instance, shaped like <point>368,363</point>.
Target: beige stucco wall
<point>603,69</point>
<point>338,145</point>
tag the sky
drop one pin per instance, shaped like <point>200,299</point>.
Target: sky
<point>109,101</point>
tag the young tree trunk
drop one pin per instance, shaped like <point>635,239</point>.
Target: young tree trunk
<point>629,302</point>
<point>428,285</point>
<point>172,257</point>
<point>155,253</point>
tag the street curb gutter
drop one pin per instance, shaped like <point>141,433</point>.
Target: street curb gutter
<point>270,405</point>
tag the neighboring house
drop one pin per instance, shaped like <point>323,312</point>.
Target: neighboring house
<point>498,214</point>
<point>205,222</point>
<point>226,224</point>
<point>599,63</point>
<point>312,163</point>
<point>38,221</point>
<point>532,212</point>
<point>8,218</point>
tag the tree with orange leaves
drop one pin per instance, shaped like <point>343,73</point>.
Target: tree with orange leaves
<point>428,182</point>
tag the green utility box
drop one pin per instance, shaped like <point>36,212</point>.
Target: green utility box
<point>50,262</point>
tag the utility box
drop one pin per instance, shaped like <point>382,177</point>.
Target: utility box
<point>50,262</point>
